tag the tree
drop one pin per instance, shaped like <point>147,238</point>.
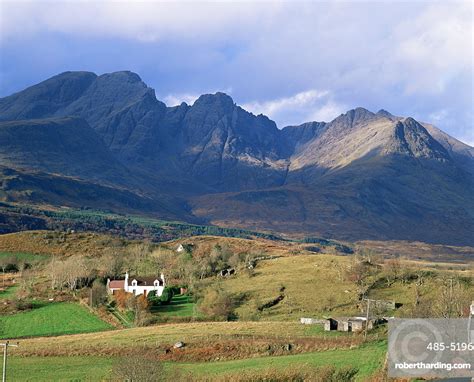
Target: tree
<point>28,280</point>
<point>3,265</point>
<point>140,308</point>
<point>113,265</point>
<point>139,254</point>
<point>453,299</point>
<point>167,295</point>
<point>74,272</point>
<point>98,293</point>
<point>392,269</point>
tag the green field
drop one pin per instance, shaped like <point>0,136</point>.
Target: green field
<point>51,319</point>
<point>58,368</point>
<point>368,359</point>
<point>180,306</point>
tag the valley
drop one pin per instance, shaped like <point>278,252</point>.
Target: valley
<point>317,280</point>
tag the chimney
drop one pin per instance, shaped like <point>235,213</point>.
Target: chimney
<point>162,278</point>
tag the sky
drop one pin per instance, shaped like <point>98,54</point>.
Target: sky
<point>292,61</point>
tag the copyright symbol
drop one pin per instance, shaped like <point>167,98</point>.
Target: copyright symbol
<point>408,341</point>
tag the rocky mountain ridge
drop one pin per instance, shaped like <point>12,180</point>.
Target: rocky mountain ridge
<point>355,177</point>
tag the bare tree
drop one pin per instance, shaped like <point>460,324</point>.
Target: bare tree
<point>73,272</point>
<point>113,264</point>
<point>139,306</point>
<point>392,269</point>
<point>453,299</point>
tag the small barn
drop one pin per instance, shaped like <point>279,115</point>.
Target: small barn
<point>348,324</point>
<point>330,324</point>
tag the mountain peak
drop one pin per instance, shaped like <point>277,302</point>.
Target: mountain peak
<point>358,113</point>
<point>385,113</point>
<point>353,117</point>
<point>411,138</point>
<point>124,75</point>
<point>218,98</point>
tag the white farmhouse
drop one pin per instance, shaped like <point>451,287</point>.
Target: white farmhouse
<point>137,285</point>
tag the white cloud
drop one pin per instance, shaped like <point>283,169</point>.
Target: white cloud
<point>301,107</point>
<point>435,45</point>
<point>146,21</point>
<point>411,58</point>
<point>299,100</point>
<point>177,99</point>
<point>438,116</point>
<point>328,111</point>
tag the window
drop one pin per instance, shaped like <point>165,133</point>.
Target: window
<point>134,291</point>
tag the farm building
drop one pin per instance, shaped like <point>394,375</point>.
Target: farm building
<point>137,285</point>
<point>348,324</point>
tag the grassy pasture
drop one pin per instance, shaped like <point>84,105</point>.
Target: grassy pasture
<point>311,286</point>
<point>180,306</point>
<point>194,334</point>
<point>58,368</point>
<point>315,286</point>
<point>368,359</point>
<point>51,319</point>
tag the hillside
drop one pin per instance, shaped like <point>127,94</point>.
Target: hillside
<point>107,141</point>
<point>66,146</point>
<point>63,336</point>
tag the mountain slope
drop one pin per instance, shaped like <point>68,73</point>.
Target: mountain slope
<point>65,146</point>
<point>363,175</point>
<point>46,98</point>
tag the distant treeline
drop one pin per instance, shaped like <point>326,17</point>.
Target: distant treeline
<point>328,243</point>
<point>15,218</point>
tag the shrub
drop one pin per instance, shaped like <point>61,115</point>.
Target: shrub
<point>167,295</point>
<point>217,304</point>
<point>23,305</point>
<point>121,297</point>
<point>153,299</point>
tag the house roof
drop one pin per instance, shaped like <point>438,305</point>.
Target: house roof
<point>117,284</point>
<point>145,280</point>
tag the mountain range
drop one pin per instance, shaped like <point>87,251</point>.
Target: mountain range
<point>106,142</point>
